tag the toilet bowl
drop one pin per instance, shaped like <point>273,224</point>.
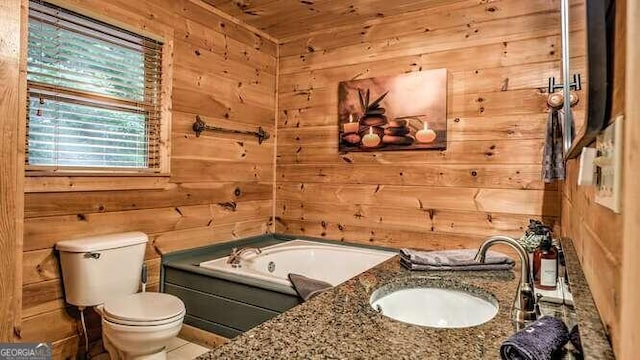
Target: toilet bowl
<point>105,272</point>
<point>139,326</point>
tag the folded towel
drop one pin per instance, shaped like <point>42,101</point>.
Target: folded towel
<point>459,259</point>
<point>540,340</point>
<point>306,287</point>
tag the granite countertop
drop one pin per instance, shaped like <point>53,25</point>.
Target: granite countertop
<point>340,323</point>
<point>595,342</point>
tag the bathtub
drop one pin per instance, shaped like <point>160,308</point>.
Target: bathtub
<point>269,270</point>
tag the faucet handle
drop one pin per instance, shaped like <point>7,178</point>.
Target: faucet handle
<point>537,305</point>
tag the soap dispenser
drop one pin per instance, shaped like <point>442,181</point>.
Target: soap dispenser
<point>545,265</point>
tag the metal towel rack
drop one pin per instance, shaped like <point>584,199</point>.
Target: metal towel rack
<point>199,126</point>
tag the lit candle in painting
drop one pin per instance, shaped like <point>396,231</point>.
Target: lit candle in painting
<point>371,139</point>
<point>426,135</point>
<point>350,127</point>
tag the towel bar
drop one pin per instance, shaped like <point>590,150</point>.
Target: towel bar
<point>199,126</point>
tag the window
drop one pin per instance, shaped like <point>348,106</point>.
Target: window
<point>94,96</point>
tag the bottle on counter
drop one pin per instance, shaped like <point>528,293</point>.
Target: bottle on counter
<point>545,265</point>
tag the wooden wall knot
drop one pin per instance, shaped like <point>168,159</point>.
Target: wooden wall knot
<point>229,205</point>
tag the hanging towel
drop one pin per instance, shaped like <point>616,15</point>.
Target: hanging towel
<point>459,259</point>
<point>553,161</point>
<point>540,340</point>
<point>307,287</point>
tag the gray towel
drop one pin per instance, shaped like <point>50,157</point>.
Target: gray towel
<point>541,340</point>
<point>458,259</point>
<point>306,287</point>
<point>553,160</point>
<point>574,337</point>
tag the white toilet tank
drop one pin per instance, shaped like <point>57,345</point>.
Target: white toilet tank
<point>100,267</point>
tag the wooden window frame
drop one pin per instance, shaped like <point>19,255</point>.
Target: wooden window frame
<point>43,178</point>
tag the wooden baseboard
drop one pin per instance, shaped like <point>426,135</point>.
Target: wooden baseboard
<point>201,337</point>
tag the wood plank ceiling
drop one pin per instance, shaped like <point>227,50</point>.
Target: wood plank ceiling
<point>285,19</point>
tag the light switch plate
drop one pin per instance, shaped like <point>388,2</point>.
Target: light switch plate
<point>587,172</point>
<point>609,166</point>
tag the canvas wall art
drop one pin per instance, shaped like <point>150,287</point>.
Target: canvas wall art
<point>403,112</point>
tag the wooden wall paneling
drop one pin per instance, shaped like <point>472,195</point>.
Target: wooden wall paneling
<point>498,55</point>
<point>177,194</point>
<point>192,10</point>
<point>211,39</point>
<point>458,152</point>
<point>35,184</point>
<point>39,265</point>
<point>407,218</point>
<point>478,57</point>
<point>192,238</point>
<point>19,180</point>
<point>515,76</point>
<point>267,15</point>
<point>629,313</point>
<point>214,9</point>
<point>523,76</point>
<point>47,292</point>
<point>276,96</point>
<point>194,170</point>
<point>220,187</point>
<point>462,36</point>
<point>408,23</point>
<point>193,56</point>
<point>212,147</point>
<point>393,238</point>
<point>219,146</point>
<point>50,326</point>
<point>66,348</point>
<point>13,90</point>
<point>44,232</point>
<point>195,102</point>
<point>250,90</point>
<point>525,177</point>
<point>596,230</point>
<point>531,202</point>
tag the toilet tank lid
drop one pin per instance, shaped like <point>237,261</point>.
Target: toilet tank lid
<point>103,242</point>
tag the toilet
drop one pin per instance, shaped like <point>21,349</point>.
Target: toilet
<point>104,272</point>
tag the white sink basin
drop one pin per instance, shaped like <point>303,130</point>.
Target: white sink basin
<point>435,307</point>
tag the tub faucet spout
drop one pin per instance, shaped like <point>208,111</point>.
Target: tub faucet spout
<point>524,306</point>
<point>234,258</point>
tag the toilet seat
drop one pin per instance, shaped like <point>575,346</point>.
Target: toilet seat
<point>144,309</point>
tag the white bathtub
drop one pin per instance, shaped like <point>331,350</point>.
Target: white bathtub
<point>334,264</point>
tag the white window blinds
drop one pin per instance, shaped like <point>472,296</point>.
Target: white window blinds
<point>94,93</point>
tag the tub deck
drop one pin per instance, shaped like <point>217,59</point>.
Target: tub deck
<point>221,306</point>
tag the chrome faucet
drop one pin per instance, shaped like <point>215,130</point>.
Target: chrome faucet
<point>524,306</point>
<point>234,258</point>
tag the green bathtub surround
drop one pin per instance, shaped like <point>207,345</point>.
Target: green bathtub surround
<point>221,306</point>
<point>340,323</point>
